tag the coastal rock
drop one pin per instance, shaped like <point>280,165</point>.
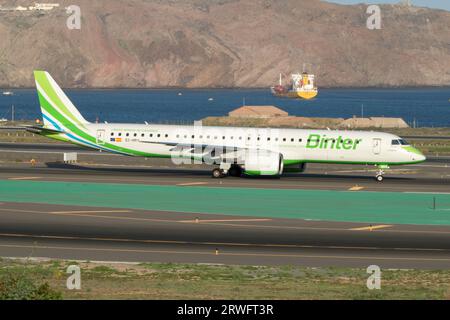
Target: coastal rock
<point>224,43</point>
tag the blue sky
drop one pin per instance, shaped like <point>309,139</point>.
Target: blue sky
<point>441,4</point>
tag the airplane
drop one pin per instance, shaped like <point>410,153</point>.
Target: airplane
<point>234,151</point>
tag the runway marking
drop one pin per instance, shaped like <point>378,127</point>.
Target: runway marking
<point>212,253</point>
<point>370,228</point>
<point>206,243</point>
<point>223,220</point>
<point>290,186</point>
<point>99,211</point>
<point>356,188</point>
<point>222,224</point>
<point>192,183</point>
<point>25,178</point>
<point>88,215</point>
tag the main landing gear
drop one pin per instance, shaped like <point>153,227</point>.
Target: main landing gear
<point>218,173</point>
<point>224,170</point>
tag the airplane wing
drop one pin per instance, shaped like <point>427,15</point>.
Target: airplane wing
<point>214,152</point>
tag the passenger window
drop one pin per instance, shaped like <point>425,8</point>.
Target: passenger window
<point>284,139</point>
<point>166,135</point>
<point>151,135</point>
<point>268,139</point>
<point>292,140</point>
<point>299,140</point>
<point>142,134</point>
<point>112,134</point>
<point>128,134</point>
<point>120,134</point>
<point>135,134</point>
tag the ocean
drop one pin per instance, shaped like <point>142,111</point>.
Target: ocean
<point>427,107</point>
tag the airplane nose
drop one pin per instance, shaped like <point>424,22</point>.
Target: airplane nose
<point>415,154</point>
<point>419,157</point>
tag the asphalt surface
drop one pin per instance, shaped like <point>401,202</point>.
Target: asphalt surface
<point>329,178</point>
<point>109,234</point>
<point>112,234</point>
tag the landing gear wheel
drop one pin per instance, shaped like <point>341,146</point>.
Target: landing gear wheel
<point>217,173</point>
<point>235,171</point>
<point>380,175</point>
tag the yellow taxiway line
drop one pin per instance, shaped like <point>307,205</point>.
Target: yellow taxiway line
<point>248,254</point>
<point>98,211</point>
<point>356,188</point>
<point>370,228</point>
<point>192,184</point>
<point>228,224</point>
<point>223,220</point>
<point>208,243</point>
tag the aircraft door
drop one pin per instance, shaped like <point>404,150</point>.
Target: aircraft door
<point>101,137</point>
<point>376,146</point>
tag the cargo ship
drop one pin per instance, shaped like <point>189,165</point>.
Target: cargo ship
<point>302,86</point>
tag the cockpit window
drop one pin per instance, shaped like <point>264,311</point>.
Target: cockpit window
<point>402,142</point>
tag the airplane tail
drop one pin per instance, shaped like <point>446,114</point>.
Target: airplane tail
<point>58,112</point>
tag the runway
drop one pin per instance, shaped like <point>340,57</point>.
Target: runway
<point>112,233</point>
<point>317,177</point>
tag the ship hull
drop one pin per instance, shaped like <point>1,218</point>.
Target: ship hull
<point>307,95</point>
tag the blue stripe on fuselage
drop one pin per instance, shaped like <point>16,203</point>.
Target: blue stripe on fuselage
<point>95,146</point>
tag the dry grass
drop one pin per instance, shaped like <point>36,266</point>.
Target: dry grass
<point>191,281</point>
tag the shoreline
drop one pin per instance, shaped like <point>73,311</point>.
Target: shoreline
<point>445,87</point>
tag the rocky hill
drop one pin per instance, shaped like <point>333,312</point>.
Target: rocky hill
<point>223,43</point>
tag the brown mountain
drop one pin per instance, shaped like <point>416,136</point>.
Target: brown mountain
<point>224,43</point>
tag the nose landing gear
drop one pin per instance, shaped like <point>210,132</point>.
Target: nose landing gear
<point>380,173</point>
<point>379,177</point>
